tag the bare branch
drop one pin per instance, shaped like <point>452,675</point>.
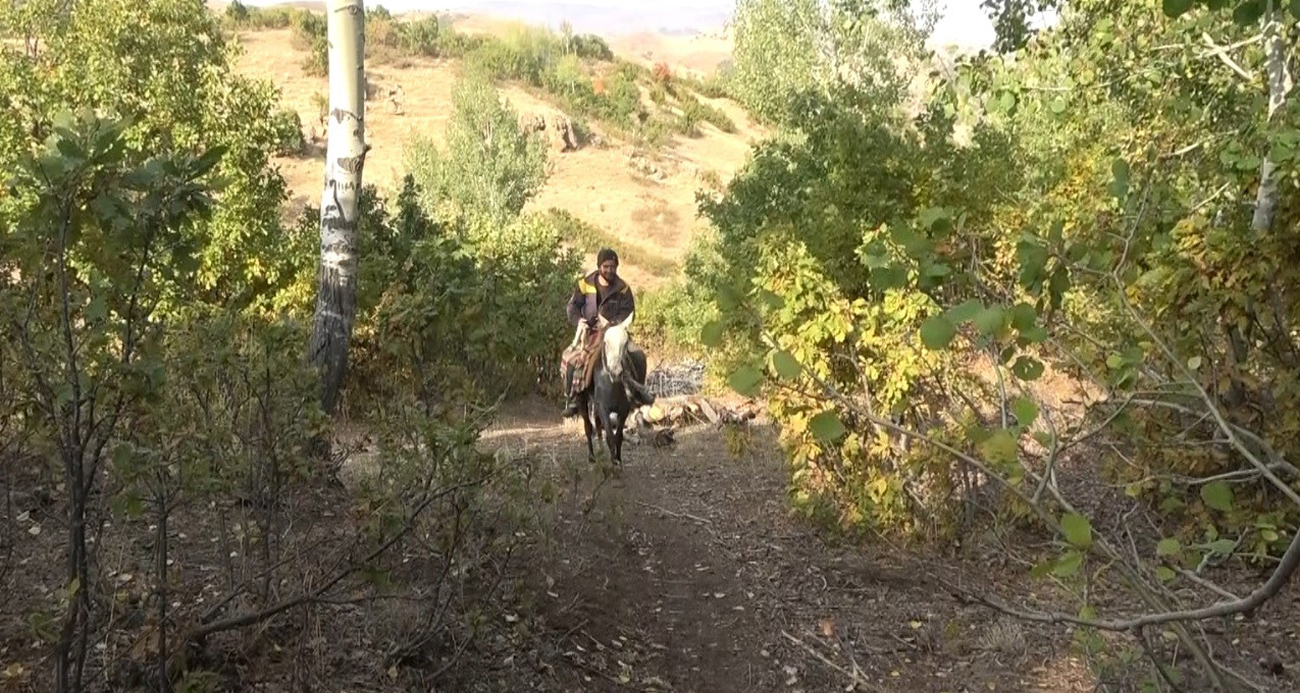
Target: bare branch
<point>1285,568</point>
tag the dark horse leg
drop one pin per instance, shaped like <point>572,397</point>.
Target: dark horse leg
<point>585,411</point>
<point>616,447</point>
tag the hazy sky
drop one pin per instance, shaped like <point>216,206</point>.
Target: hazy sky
<point>963,21</point>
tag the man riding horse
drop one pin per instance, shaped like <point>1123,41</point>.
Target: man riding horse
<point>600,298</point>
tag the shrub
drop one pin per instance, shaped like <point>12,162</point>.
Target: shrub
<point>621,102</point>
<point>237,12</point>
<point>309,34</point>
<point>662,73</point>
<point>568,81</point>
<point>492,175</point>
<point>591,47</point>
<point>288,132</point>
<point>702,112</point>
<point>421,37</point>
<point>689,123</point>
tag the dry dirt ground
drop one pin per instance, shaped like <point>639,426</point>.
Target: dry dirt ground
<point>689,573</point>
<point>683,571</point>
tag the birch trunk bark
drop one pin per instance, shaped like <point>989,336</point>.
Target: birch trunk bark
<point>344,159</point>
<point>1279,84</point>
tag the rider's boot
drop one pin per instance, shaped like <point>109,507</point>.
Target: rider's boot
<point>570,402</point>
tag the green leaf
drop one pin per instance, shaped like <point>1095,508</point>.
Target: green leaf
<point>875,261</point>
<point>1023,316</point>
<point>209,159</point>
<point>1222,547</point>
<point>965,311</point>
<point>989,321</point>
<point>1000,448</point>
<point>1068,564</point>
<point>1033,262</point>
<point>1168,547</point>
<point>70,149</point>
<point>1026,411</point>
<point>1035,334</point>
<point>728,298</point>
<point>936,219</point>
<point>886,278</point>
<point>937,332</point>
<point>1217,495</point>
<point>1077,530</point>
<point>935,270</point>
<point>1165,573</point>
<point>711,334</point>
<point>771,299</point>
<point>1121,175</point>
<point>827,426</point>
<point>1058,105</point>
<point>1294,6</point>
<point>1194,363</point>
<point>1248,12</point>
<point>786,365</point>
<point>1027,368</point>
<point>1175,8</point>
<point>746,381</point>
<point>1058,285</point>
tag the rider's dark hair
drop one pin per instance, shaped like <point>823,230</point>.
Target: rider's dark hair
<point>605,255</point>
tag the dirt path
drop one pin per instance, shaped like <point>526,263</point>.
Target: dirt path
<point>689,574</point>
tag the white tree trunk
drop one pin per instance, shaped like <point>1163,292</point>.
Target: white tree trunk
<point>1279,84</point>
<point>345,155</point>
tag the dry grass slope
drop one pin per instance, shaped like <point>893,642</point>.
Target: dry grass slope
<point>646,198</point>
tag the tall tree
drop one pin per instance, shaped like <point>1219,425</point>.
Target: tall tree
<point>344,158</point>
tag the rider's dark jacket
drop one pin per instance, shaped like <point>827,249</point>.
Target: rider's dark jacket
<point>590,300</point>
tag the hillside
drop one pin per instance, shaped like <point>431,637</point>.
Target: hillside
<point>641,195</point>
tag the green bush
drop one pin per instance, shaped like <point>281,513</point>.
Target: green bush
<point>450,315</point>
<point>237,12</point>
<point>689,123</point>
<point>699,111</point>
<point>621,102</point>
<point>288,132</point>
<point>421,37</point>
<point>591,47</point>
<point>241,16</point>
<point>309,34</point>
<point>493,176</point>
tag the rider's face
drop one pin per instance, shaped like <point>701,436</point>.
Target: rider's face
<point>608,270</point>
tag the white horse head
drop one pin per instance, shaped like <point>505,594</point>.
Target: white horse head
<point>616,342</point>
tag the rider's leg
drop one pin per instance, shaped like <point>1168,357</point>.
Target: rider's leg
<point>634,363</point>
<point>638,391</point>
<point>570,402</point>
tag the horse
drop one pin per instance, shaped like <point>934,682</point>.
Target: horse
<point>606,404</point>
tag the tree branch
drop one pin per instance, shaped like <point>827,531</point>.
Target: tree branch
<point>1281,574</point>
<point>247,619</point>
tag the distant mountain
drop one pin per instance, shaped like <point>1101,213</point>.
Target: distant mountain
<point>670,18</point>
